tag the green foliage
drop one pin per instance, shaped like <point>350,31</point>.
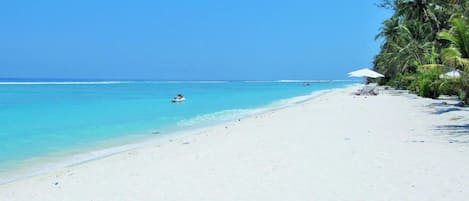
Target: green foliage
<point>427,84</point>
<point>457,54</point>
<point>464,84</point>
<point>450,86</point>
<point>423,39</point>
<point>402,81</point>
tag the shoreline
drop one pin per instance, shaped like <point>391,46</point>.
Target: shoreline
<point>81,156</point>
<point>336,146</point>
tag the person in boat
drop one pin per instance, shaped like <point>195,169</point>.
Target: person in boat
<point>178,98</point>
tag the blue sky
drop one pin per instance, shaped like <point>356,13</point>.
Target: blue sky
<point>188,40</point>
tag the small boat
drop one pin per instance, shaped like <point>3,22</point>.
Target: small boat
<point>178,98</point>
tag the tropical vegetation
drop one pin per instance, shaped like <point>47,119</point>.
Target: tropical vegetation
<point>423,40</point>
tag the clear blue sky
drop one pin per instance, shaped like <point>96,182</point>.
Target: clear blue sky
<point>187,39</point>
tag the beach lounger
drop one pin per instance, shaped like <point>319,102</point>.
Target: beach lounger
<point>369,89</point>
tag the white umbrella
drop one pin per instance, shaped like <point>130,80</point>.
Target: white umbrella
<point>365,72</point>
<point>451,74</point>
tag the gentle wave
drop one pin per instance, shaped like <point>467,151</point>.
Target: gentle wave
<point>216,117</point>
<point>293,81</point>
<point>277,81</point>
<point>62,83</point>
<point>259,81</point>
<point>233,114</point>
<point>191,82</point>
<point>110,82</point>
<point>304,80</point>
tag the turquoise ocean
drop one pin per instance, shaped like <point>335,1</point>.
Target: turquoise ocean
<point>47,123</point>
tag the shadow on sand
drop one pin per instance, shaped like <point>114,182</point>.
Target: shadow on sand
<point>455,132</point>
<point>445,110</point>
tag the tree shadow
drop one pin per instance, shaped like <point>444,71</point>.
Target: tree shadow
<point>445,107</point>
<point>455,131</point>
<point>446,110</point>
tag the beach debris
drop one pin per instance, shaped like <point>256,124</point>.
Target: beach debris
<point>456,118</point>
<point>347,138</point>
<point>186,143</point>
<point>155,132</point>
<point>56,183</point>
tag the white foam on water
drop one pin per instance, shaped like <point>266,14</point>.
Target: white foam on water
<point>63,83</point>
<point>234,114</point>
<point>220,116</point>
<point>299,81</point>
<point>187,82</point>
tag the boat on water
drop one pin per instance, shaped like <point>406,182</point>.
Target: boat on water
<point>178,98</point>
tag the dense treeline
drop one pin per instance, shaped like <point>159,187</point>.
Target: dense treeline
<point>423,40</point>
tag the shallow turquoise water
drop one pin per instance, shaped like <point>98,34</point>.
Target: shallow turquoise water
<point>44,119</point>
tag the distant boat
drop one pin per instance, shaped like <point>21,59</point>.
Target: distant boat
<point>178,98</point>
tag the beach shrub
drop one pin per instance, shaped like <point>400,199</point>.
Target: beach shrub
<point>464,92</point>
<point>427,84</point>
<point>402,81</point>
<point>382,81</point>
<point>451,86</point>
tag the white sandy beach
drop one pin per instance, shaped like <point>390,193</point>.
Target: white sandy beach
<point>334,147</point>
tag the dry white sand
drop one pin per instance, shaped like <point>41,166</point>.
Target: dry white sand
<point>334,147</point>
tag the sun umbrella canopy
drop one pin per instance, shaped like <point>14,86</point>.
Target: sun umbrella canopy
<point>451,74</point>
<point>365,72</point>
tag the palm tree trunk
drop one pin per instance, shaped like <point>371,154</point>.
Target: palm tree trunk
<point>466,98</point>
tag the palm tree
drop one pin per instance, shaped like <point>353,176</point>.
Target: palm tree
<point>410,48</point>
<point>390,30</point>
<point>457,54</point>
<point>419,10</point>
<point>415,45</point>
<point>385,62</point>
